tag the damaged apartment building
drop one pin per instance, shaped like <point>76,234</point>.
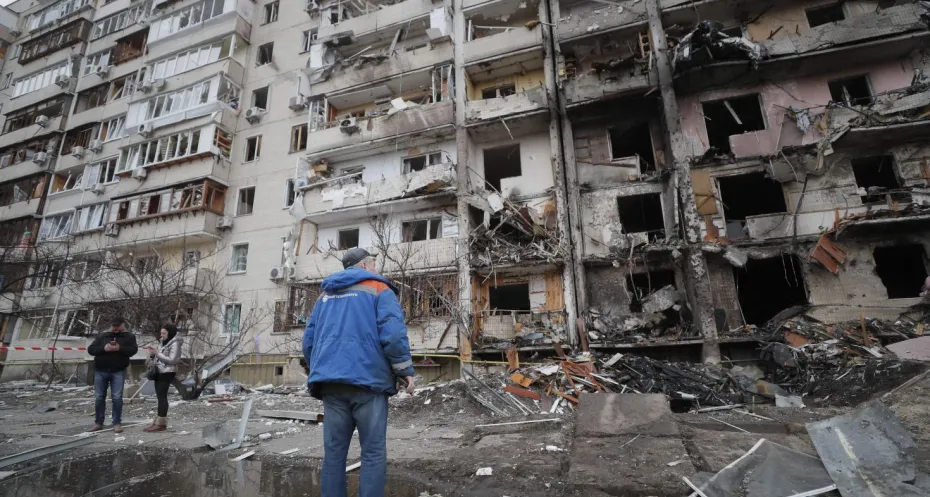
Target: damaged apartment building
<point>614,174</point>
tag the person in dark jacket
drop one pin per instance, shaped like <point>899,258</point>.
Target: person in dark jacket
<point>111,350</point>
<point>356,346</point>
<point>166,358</point>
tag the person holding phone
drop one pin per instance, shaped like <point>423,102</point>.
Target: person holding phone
<point>166,358</point>
<point>111,350</point>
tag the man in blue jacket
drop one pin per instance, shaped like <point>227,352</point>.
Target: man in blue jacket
<point>357,350</point>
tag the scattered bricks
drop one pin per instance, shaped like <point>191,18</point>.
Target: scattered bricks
<point>522,392</point>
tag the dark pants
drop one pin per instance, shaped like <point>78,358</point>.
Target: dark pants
<point>343,412</point>
<point>162,383</point>
<point>113,380</point>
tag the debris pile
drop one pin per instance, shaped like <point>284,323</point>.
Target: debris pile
<point>511,232</point>
<point>707,43</point>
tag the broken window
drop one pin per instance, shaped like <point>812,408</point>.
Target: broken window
<point>260,98</point>
<point>640,285</point>
<point>732,116</point>
<point>309,36</point>
<point>253,148</point>
<point>420,162</point>
<point>299,138</point>
<point>271,12</point>
<point>902,269</point>
<point>825,14</point>
<point>854,90</point>
<point>746,195</point>
<point>875,174</point>
<point>499,91</point>
<point>425,229</point>
<point>510,297</point>
<point>766,287</point>
<point>246,201</point>
<point>633,141</point>
<point>265,54</point>
<point>239,261</point>
<point>348,239</point>
<point>290,193</point>
<point>501,162</point>
<point>642,214</point>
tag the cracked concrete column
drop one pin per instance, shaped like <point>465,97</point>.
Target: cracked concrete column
<point>564,179</point>
<point>462,184</point>
<point>700,296</point>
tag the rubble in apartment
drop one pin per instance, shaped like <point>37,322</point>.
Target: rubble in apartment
<point>350,191</point>
<point>707,43</point>
<point>511,232</point>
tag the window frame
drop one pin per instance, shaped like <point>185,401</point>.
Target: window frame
<point>239,192</point>
<point>233,263</point>
<point>258,149</point>
<point>225,329</point>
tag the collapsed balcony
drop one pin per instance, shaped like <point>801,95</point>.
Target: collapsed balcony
<point>499,28</point>
<point>608,66</point>
<point>519,310</point>
<point>508,233</point>
<point>325,194</point>
<point>378,116</point>
<point>507,87</point>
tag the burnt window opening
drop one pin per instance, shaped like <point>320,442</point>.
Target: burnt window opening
<point>854,90</point>
<point>902,269</point>
<point>510,297</point>
<point>348,239</point>
<point>425,229</point>
<point>260,98</point>
<point>279,370</point>
<point>766,287</point>
<point>265,54</point>
<point>633,141</point>
<point>499,91</point>
<point>818,16</point>
<point>640,285</point>
<point>747,195</point>
<point>642,214</point>
<point>732,116</point>
<point>501,162</point>
<point>875,174</point>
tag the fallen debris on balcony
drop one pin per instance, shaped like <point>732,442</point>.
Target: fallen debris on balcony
<point>707,43</point>
<point>512,232</point>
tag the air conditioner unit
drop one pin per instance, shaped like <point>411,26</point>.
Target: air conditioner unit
<point>140,173</point>
<point>95,145</point>
<point>42,121</point>
<point>63,80</point>
<point>156,84</point>
<point>77,151</point>
<point>101,70</point>
<point>348,125</point>
<point>111,230</point>
<point>312,6</point>
<point>146,129</point>
<point>224,223</point>
<point>97,189</point>
<point>253,114</point>
<point>276,273</point>
<point>297,103</point>
<point>40,158</point>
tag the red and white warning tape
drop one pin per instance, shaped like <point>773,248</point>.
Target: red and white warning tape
<point>42,348</point>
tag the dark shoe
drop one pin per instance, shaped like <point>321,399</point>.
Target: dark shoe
<point>117,428</point>
<point>95,428</point>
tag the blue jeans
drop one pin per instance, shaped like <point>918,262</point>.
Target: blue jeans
<point>114,380</point>
<point>342,414</point>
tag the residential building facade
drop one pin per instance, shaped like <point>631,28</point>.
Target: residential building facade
<point>612,176</point>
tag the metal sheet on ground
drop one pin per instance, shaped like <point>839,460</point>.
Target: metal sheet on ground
<point>44,451</point>
<point>766,470</point>
<point>868,453</point>
<point>315,417</point>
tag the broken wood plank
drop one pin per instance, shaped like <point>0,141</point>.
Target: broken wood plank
<point>521,380</point>
<point>522,392</point>
<point>316,417</point>
<point>573,400</point>
<point>512,423</point>
<point>720,408</point>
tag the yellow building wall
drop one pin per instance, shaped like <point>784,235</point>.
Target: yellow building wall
<point>522,82</point>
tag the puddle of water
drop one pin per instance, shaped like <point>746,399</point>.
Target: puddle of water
<point>139,474</point>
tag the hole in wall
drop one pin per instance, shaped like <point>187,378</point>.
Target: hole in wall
<point>635,140</point>
<point>640,285</point>
<point>902,269</point>
<point>746,195</point>
<point>514,297</point>
<point>766,287</point>
<point>731,116</point>
<point>642,214</point>
<point>500,163</point>
<point>818,16</point>
<point>875,173</point>
<point>854,90</point>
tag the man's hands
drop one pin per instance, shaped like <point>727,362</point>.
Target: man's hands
<point>408,384</point>
<point>111,347</point>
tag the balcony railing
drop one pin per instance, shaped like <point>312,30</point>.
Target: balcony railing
<point>427,255</point>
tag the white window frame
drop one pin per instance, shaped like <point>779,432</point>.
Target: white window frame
<point>138,156</point>
<point>119,20</point>
<point>97,59</point>
<point>258,149</point>
<point>271,12</point>
<point>84,213</point>
<point>226,308</point>
<point>40,79</point>
<point>98,172</point>
<point>118,123</point>
<point>63,222</point>
<point>171,24</point>
<point>172,65</point>
<point>309,36</point>
<point>405,160</point>
<point>429,222</point>
<point>239,200</point>
<point>78,182</point>
<point>233,259</point>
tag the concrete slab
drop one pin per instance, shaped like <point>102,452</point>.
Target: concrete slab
<point>916,349</point>
<point>638,468</point>
<point>713,450</point>
<point>617,414</point>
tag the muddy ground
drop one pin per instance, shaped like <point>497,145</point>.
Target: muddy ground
<point>433,444</point>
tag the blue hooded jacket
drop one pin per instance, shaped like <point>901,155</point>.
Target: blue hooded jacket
<point>356,334</point>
